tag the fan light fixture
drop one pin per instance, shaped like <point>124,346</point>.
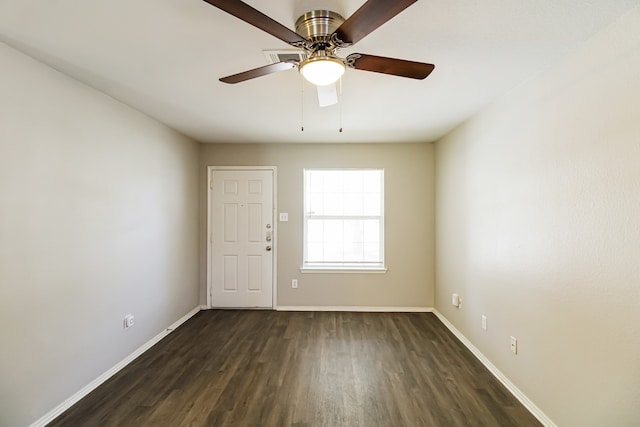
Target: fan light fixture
<point>322,70</point>
<point>320,34</point>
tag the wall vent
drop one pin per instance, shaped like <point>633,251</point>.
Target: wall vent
<point>275,56</point>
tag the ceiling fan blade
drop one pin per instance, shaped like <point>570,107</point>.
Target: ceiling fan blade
<point>396,67</point>
<point>370,16</point>
<point>327,95</point>
<point>259,72</point>
<point>258,19</point>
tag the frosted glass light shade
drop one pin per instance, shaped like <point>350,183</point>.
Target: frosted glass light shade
<point>322,71</point>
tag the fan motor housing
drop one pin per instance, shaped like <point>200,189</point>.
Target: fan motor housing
<point>318,25</point>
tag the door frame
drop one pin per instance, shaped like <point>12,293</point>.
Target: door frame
<point>274,241</point>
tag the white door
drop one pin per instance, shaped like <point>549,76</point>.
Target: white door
<point>242,238</point>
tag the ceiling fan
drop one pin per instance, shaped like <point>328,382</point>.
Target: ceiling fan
<point>320,33</point>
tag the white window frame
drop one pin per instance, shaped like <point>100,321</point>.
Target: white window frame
<point>343,267</point>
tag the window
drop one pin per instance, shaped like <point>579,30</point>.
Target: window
<point>343,219</point>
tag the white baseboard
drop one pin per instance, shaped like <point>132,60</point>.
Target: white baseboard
<point>355,308</point>
<point>537,412</point>
<point>75,398</point>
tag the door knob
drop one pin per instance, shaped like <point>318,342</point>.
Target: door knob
<point>268,248</point>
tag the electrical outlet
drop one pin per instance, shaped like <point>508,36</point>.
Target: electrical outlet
<point>484,322</point>
<point>455,300</point>
<point>294,283</point>
<point>514,345</point>
<point>129,321</point>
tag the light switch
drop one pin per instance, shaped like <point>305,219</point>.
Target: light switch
<point>284,217</point>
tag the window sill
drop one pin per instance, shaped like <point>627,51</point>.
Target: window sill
<point>344,270</point>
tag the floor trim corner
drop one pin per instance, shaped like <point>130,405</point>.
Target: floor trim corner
<point>75,398</point>
<point>517,393</point>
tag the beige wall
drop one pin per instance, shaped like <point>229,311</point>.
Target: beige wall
<point>98,218</point>
<point>538,227</point>
<point>409,220</point>
<point>538,208</point>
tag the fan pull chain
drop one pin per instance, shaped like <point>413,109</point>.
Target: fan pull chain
<point>301,104</point>
<point>340,103</point>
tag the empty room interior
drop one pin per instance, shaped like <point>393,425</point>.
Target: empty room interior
<point>447,233</point>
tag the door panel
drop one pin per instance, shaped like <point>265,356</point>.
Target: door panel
<point>230,222</point>
<point>242,228</point>
<point>255,273</point>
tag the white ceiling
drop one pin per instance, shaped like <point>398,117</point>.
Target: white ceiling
<point>164,58</point>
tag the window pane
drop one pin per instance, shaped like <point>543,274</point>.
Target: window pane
<point>372,204</point>
<point>353,252</point>
<point>353,181</point>
<point>353,231</point>
<point>372,180</point>
<point>343,217</point>
<point>353,205</point>
<point>315,231</point>
<point>332,231</point>
<point>314,204</point>
<point>315,181</point>
<point>314,252</point>
<point>333,204</point>
<point>332,181</point>
<point>333,252</point>
<point>371,252</point>
<point>371,231</point>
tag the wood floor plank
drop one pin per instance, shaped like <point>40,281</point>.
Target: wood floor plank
<point>267,368</point>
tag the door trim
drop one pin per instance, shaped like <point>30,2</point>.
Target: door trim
<point>274,270</point>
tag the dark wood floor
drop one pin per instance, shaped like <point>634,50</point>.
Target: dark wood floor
<point>268,368</point>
